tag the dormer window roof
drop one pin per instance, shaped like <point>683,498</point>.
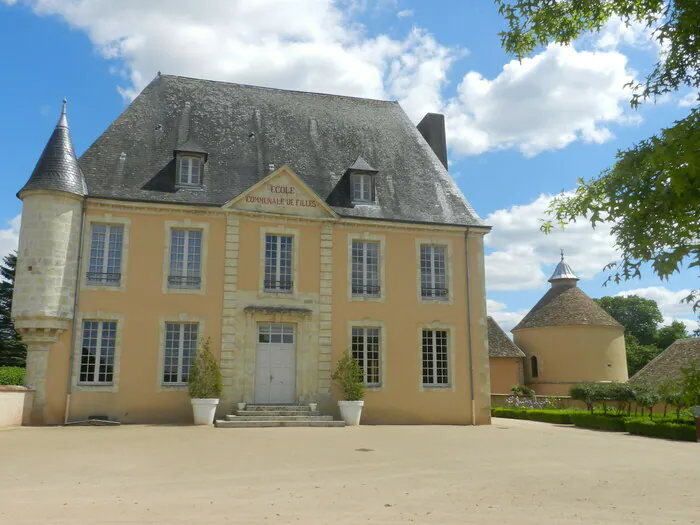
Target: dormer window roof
<point>190,159</point>
<point>362,184</point>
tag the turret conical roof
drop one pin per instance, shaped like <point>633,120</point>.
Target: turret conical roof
<point>563,272</point>
<point>58,168</point>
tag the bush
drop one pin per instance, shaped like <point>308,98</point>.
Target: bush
<point>644,427</point>
<point>598,422</point>
<point>11,375</point>
<point>561,417</point>
<point>349,375</point>
<point>522,390</point>
<point>205,375</point>
<point>585,392</point>
<point>646,396</point>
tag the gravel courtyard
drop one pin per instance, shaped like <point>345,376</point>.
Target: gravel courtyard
<point>516,472</point>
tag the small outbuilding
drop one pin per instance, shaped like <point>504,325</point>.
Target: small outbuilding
<point>505,360</point>
<point>668,364</point>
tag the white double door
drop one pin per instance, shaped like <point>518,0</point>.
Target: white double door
<point>275,364</point>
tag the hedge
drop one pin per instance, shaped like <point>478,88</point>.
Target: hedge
<point>547,416</point>
<point>645,427</point>
<point>598,422</point>
<point>11,375</point>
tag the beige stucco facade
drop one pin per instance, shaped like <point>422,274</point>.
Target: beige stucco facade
<point>231,302</point>
<point>569,355</point>
<point>506,372</point>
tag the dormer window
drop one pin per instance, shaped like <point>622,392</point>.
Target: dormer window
<point>362,191</point>
<point>190,171</point>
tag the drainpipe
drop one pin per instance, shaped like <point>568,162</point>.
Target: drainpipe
<point>71,350</point>
<point>469,329</point>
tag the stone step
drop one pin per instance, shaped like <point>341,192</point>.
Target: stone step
<point>265,413</point>
<point>221,423</point>
<point>266,417</point>
<point>275,408</point>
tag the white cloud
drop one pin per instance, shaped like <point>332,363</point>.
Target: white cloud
<point>520,251</point>
<point>689,99</point>
<point>506,320</point>
<point>9,237</point>
<point>542,103</point>
<point>670,304</point>
<point>405,13</point>
<point>634,34</point>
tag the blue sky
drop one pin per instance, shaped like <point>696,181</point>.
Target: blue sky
<point>518,133</point>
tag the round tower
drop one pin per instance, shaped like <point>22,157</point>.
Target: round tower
<point>47,257</point>
<point>568,339</point>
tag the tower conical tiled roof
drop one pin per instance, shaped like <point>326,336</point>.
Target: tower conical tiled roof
<point>565,304</point>
<point>58,168</point>
<point>500,344</point>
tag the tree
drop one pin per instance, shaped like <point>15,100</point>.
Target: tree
<point>638,355</point>
<point>651,195</point>
<point>639,316</point>
<point>12,350</point>
<point>666,335</point>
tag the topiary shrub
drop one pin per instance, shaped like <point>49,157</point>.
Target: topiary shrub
<point>646,396</point>
<point>643,427</point>
<point>350,377</point>
<point>12,375</point>
<point>598,421</point>
<point>205,375</point>
<point>585,392</point>
<point>561,417</point>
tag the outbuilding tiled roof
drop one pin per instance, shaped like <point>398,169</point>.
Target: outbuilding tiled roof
<point>500,344</point>
<point>667,365</point>
<point>58,168</point>
<point>248,131</point>
<point>566,306</point>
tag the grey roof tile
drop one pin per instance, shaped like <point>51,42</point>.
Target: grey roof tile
<point>361,164</point>
<point>500,344</point>
<point>244,129</point>
<point>58,167</point>
<point>667,365</point>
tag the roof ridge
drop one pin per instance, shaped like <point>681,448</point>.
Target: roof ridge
<point>268,88</point>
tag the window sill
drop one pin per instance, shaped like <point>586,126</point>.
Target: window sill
<point>436,387</point>
<point>95,387</point>
<point>188,187</point>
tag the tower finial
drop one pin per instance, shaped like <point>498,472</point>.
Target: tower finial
<point>562,254</point>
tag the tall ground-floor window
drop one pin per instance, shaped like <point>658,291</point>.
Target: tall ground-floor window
<point>365,349</point>
<point>97,354</point>
<point>435,359</point>
<point>180,351</point>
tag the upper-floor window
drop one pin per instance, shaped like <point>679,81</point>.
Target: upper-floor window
<point>433,272</point>
<point>362,190</point>
<point>190,172</point>
<point>105,265</point>
<point>435,361</point>
<point>180,351</point>
<point>185,259</point>
<point>365,350</point>
<point>365,268</point>
<point>278,263</point>
<point>97,352</point>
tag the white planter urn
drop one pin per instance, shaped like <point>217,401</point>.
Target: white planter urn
<point>313,406</point>
<point>241,406</point>
<point>351,411</point>
<point>696,412</point>
<point>204,410</point>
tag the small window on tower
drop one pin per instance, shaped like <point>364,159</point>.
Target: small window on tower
<point>362,188</point>
<point>190,171</point>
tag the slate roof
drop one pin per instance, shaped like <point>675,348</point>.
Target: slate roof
<point>58,167</point>
<point>500,344</point>
<point>244,129</point>
<point>566,306</point>
<point>667,365</point>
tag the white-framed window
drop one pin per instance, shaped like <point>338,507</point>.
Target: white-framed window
<point>105,264</point>
<point>279,250</point>
<point>97,352</point>
<point>180,352</point>
<point>434,346</point>
<point>185,258</point>
<point>361,185</point>
<point>190,172</point>
<point>433,272</point>
<point>365,268</point>
<point>365,350</point>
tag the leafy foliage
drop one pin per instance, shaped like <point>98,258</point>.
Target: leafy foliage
<point>690,385</point>
<point>671,394</point>
<point>638,355</point>
<point>562,417</point>
<point>350,377</point>
<point>666,335</point>
<point>644,427</point>
<point>522,390</point>
<point>651,194</point>
<point>585,392</point>
<point>598,421</point>
<point>205,375</point>
<point>12,350</point>
<point>646,396</point>
<point>11,375</point>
